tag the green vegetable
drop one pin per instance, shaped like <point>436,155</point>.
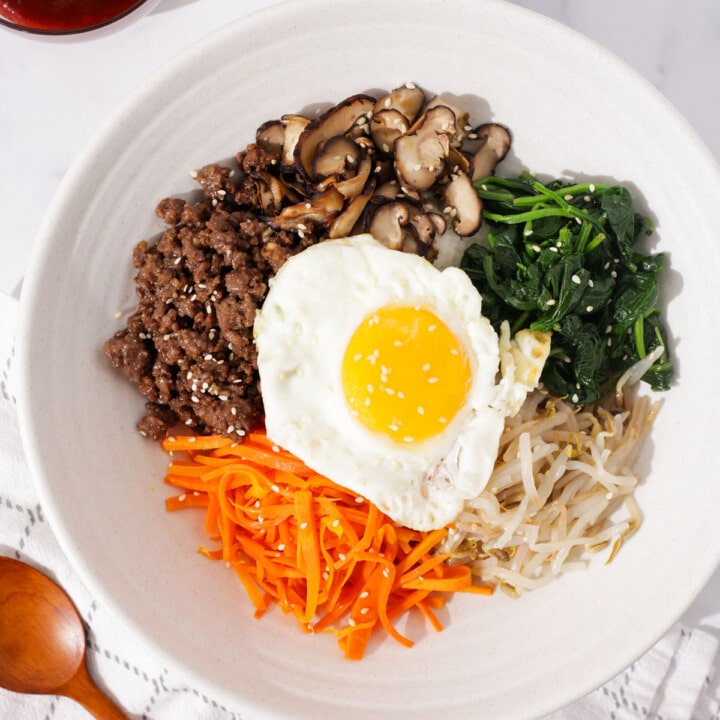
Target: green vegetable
<point>562,257</point>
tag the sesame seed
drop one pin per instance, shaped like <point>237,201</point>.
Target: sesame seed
<point>359,500</point>
<point>575,279</point>
<point>303,526</point>
<point>364,611</point>
<point>231,429</point>
<point>551,302</point>
<point>575,398</point>
<point>408,439</point>
<point>281,547</point>
<point>189,421</point>
<point>426,367</point>
<point>275,449</point>
<point>194,398</point>
<point>342,557</point>
<point>223,397</point>
<point>589,308</point>
<point>178,260</point>
<point>568,197</point>
<point>401,394</point>
<point>182,497</point>
<point>591,187</point>
<point>363,594</point>
<point>386,572</point>
<point>421,410</point>
<point>351,623</point>
<point>193,174</point>
<point>613,274</point>
<point>393,427</point>
<point>442,420</point>
<point>433,380</point>
<point>553,249</point>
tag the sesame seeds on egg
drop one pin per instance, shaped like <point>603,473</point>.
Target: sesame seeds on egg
<point>399,374</point>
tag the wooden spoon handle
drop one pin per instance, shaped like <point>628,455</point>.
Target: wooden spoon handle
<point>83,690</point>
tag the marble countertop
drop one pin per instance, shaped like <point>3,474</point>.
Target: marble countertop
<point>55,94</point>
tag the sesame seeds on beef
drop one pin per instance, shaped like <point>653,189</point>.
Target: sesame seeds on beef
<point>188,346</point>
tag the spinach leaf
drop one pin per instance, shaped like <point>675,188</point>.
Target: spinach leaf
<point>561,257</point>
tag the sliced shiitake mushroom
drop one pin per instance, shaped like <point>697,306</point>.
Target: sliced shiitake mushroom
<point>463,204</point>
<point>354,185</point>
<point>270,136</point>
<point>382,165</point>
<point>353,112</point>
<point>294,125</point>
<point>387,223</point>
<point>494,142</point>
<point>389,190</point>
<point>338,156</point>
<point>386,126</point>
<point>420,154</point>
<point>272,192</point>
<point>344,224</point>
<point>462,117</point>
<point>407,99</point>
<point>321,209</point>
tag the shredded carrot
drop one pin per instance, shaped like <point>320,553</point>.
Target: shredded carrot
<point>298,540</point>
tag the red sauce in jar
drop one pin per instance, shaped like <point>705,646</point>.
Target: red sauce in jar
<point>57,16</point>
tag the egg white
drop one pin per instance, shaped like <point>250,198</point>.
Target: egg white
<point>314,305</point>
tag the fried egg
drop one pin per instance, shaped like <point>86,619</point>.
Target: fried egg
<point>380,372</point>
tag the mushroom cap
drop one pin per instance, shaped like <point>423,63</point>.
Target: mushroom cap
<point>420,154</point>
<point>386,126</point>
<point>465,204</point>
<point>408,99</point>
<point>341,119</point>
<point>495,141</point>
<point>270,136</point>
<point>338,156</point>
<point>294,126</point>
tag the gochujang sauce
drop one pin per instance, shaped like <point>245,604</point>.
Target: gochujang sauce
<point>57,16</point>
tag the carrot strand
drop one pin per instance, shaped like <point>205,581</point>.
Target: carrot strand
<point>298,540</point>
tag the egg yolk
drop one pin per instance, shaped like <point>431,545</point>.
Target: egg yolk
<point>405,374</point>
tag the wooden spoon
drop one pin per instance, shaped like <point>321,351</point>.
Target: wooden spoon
<point>42,641</point>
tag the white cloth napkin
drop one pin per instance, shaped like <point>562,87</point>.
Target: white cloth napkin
<point>675,680</point>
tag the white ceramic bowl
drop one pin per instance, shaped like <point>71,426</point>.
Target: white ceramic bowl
<point>573,109</point>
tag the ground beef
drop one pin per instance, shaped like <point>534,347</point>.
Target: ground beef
<point>188,346</point>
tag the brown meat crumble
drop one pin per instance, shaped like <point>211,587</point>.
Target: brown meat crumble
<point>189,346</point>
<point>382,166</point>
